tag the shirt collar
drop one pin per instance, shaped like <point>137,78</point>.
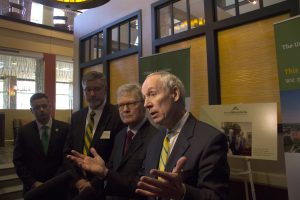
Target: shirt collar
<point>48,124</point>
<point>177,128</point>
<point>99,109</point>
<point>137,127</point>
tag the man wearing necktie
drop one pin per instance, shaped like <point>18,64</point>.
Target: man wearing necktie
<point>93,126</point>
<point>38,153</point>
<point>130,145</point>
<point>195,165</point>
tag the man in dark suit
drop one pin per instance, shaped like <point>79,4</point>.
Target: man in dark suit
<point>38,152</point>
<point>94,126</point>
<point>130,144</point>
<point>188,162</point>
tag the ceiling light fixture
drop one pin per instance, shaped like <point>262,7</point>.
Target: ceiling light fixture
<point>253,1</point>
<point>72,4</point>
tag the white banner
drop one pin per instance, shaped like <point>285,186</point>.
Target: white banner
<point>251,129</point>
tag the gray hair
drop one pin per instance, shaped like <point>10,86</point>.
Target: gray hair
<point>130,88</point>
<point>92,76</point>
<point>169,82</point>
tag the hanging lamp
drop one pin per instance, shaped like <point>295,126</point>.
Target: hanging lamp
<point>72,4</point>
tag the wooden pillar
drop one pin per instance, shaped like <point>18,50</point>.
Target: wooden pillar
<point>50,79</point>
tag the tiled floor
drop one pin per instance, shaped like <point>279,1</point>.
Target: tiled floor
<point>6,153</point>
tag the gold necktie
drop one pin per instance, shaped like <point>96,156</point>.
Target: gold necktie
<point>88,134</point>
<point>164,153</point>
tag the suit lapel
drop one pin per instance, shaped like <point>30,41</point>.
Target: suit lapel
<point>137,142</point>
<point>182,143</point>
<point>82,125</point>
<point>119,151</point>
<point>154,153</point>
<point>53,136</point>
<point>101,124</point>
<point>36,138</point>
<point>134,146</point>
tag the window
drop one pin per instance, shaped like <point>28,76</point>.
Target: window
<point>100,44</point>
<point>124,34</point>
<point>94,42</point>
<point>114,41</point>
<point>64,85</point>
<point>180,16</point>
<point>25,89</point>
<point>197,14</point>
<point>18,75</point>
<point>164,21</point>
<point>121,36</point>
<point>229,8</point>
<point>1,94</point>
<point>36,13</point>
<point>134,35</point>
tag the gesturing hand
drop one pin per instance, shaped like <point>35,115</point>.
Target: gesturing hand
<point>170,186</point>
<point>95,165</point>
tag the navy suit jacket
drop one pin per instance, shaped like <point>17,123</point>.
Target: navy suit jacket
<point>109,121</point>
<point>206,172</point>
<point>125,168</point>
<point>28,157</point>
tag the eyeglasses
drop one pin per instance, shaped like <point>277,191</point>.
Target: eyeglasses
<point>94,89</point>
<point>129,105</point>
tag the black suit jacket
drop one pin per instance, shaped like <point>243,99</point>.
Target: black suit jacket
<point>109,121</point>
<point>28,157</point>
<point>124,169</point>
<point>206,172</point>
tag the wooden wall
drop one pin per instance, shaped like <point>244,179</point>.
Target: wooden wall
<point>198,71</point>
<point>20,36</point>
<point>248,67</point>
<point>123,70</point>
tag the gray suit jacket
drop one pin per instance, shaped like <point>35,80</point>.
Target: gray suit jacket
<point>206,172</point>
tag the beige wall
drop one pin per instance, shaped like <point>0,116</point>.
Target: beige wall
<point>25,116</point>
<point>14,35</point>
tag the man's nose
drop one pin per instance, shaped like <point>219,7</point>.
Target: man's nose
<point>147,103</point>
<point>92,93</point>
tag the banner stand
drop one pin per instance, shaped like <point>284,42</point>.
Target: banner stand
<point>248,172</point>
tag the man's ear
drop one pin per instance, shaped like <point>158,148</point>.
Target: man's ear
<point>175,94</point>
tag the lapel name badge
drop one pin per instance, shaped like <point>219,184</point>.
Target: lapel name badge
<point>105,135</point>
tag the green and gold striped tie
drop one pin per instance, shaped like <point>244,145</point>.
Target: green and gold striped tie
<point>88,134</point>
<point>164,153</point>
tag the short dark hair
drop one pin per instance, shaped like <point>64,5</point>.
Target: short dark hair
<point>92,76</point>
<point>38,96</point>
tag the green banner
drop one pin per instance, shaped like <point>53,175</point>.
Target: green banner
<point>176,62</point>
<point>287,35</point>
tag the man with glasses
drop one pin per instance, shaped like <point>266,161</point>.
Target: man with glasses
<point>188,162</point>
<point>93,126</point>
<point>38,153</point>
<point>130,144</point>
